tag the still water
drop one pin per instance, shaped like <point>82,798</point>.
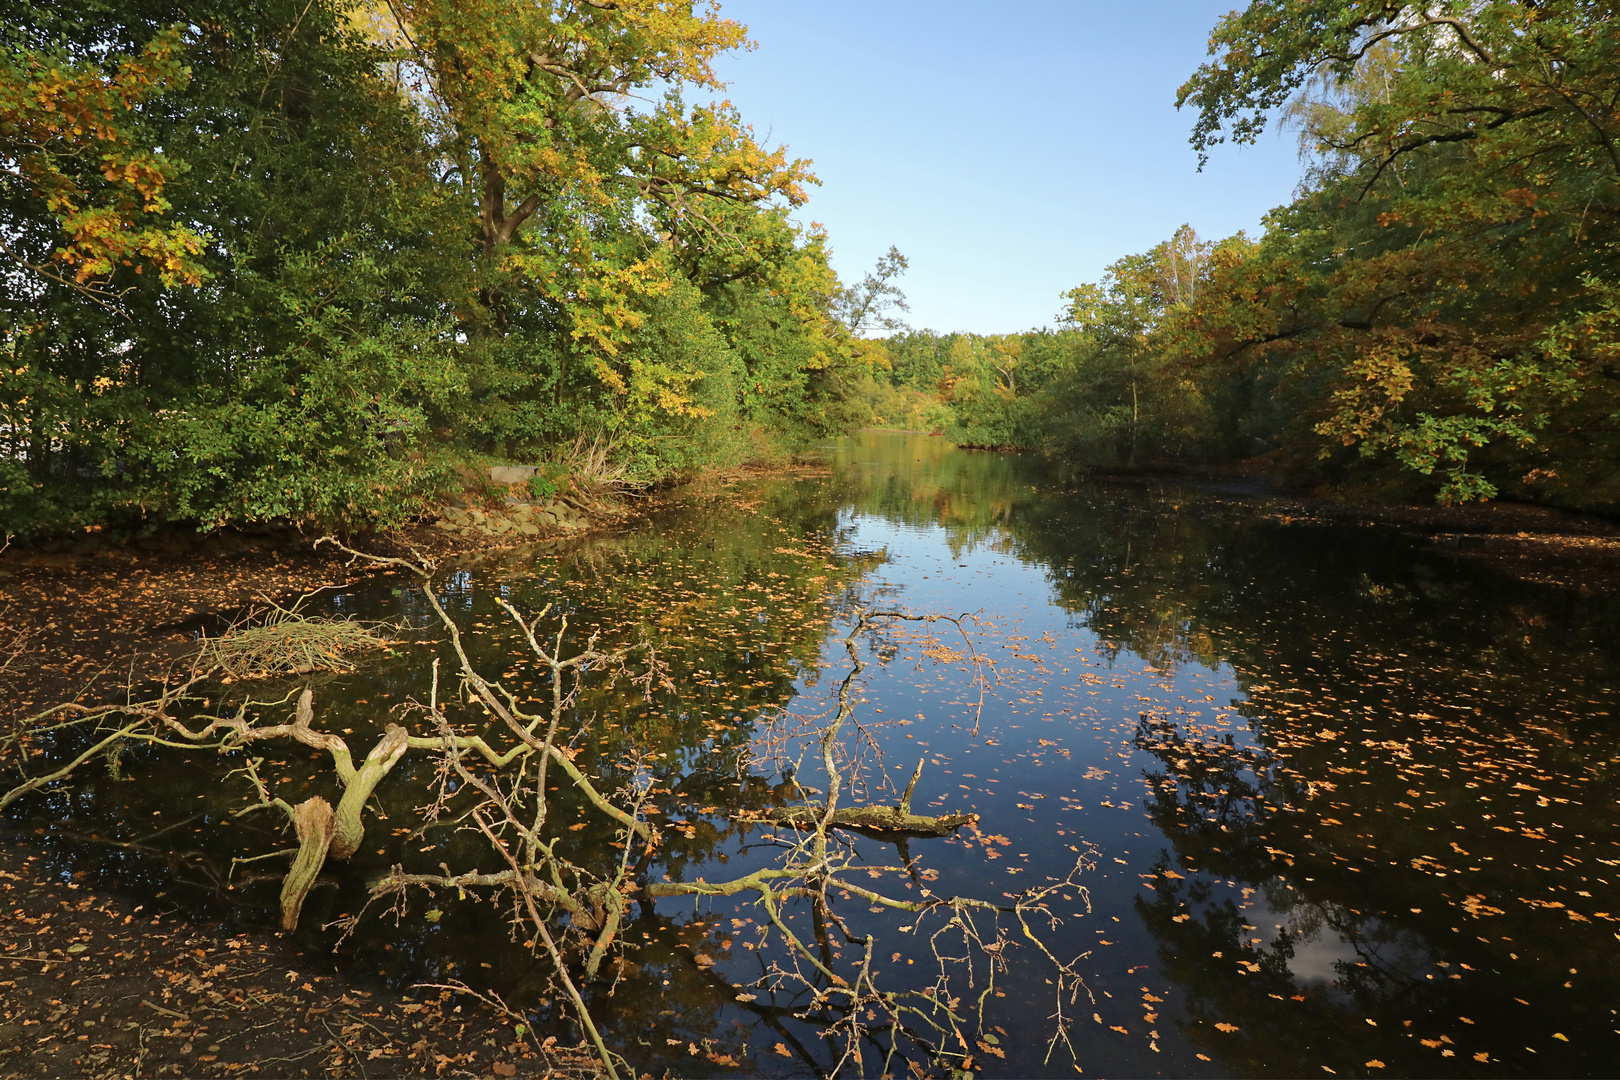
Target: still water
<point>1338,804</point>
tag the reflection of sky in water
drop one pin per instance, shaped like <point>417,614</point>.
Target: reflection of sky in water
<point>1076,590</point>
<point>1056,766</point>
<point>1317,956</point>
<point>1325,925</point>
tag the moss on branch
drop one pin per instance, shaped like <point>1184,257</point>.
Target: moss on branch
<point>874,819</point>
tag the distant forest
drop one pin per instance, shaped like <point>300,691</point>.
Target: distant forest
<point>1436,312</point>
<point>317,261</point>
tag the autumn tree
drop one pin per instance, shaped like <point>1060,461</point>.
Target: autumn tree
<point>389,240</point>
<point>585,195</point>
<point>77,157</point>
<point>1455,251</point>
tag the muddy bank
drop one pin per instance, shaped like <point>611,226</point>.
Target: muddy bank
<point>91,612</point>
<point>95,985</point>
<point>1538,544</point>
<point>1545,545</point>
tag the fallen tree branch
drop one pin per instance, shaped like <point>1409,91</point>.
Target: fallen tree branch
<point>871,819</point>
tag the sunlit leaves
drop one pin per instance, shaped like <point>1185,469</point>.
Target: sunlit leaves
<point>1444,248</point>
<point>69,126</point>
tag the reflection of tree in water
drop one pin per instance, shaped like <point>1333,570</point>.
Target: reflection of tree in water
<point>736,611</point>
<point>920,480</point>
<point>1418,763</point>
<point>1346,944</point>
<point>1414,735</point>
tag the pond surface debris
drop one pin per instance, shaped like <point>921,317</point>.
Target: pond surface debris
<point>97,986</point>
<point>1345,797</point>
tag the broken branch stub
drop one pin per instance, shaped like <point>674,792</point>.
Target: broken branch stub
<point>313,822</point>
<point>349,828</point>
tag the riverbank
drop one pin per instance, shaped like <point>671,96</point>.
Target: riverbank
<point>1545,545</point>
<point>1296,742</point>
<point>94,985</point>
<point>94,611</point>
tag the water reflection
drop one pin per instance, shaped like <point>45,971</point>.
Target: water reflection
<point>1354,805</point>
<point>1397,852</point>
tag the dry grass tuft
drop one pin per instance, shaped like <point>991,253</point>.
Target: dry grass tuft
<point>287,642</point>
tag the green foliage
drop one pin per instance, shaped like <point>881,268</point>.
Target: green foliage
<point>543,487</point>
<point>1101,388</point>
<point>1436,310</point>
<point>1455,233</point>
<point>396,269</point>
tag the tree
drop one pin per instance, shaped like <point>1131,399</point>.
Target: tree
<point>77,158</point>
<point>865,308</point>
<point>563,170</point>
<point>1459,241</point>
<point>417,233</point>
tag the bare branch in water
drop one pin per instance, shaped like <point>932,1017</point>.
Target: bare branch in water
<point>494,781</point>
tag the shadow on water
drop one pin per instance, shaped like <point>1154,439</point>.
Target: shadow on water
<point>1353,806</point>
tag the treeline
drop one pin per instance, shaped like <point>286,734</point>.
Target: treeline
<point>1436,310</point>
<point>314,260</point>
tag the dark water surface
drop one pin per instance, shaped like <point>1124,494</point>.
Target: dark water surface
<point>1347,807</point>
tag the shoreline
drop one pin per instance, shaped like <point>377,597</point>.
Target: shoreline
<point>99,611</point>
<point>93,984</point>
<point>190,995</point>
<point>1564,549</point>
<point>105,613</point>
<point>1567,549</point>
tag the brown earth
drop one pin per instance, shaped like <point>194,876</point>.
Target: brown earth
<point>1546,545</point>
<point>87,610</point>
<point>92,985</point>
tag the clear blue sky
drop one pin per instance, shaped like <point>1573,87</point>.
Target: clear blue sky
<point>1010,150</point>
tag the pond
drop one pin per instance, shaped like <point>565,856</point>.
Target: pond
<point>1297,798</point>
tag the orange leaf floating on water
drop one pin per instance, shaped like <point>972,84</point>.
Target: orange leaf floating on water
<point>1228,1028</point>
<point>784,1051</point>
<point>1375,1064</point>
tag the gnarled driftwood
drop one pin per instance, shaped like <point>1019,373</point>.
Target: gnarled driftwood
<point>313,822</point>
<point>877,819</point>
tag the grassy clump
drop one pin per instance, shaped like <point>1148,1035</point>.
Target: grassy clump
<point>288,642</point>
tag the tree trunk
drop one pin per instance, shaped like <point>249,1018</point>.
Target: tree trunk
<point>313,822</point>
